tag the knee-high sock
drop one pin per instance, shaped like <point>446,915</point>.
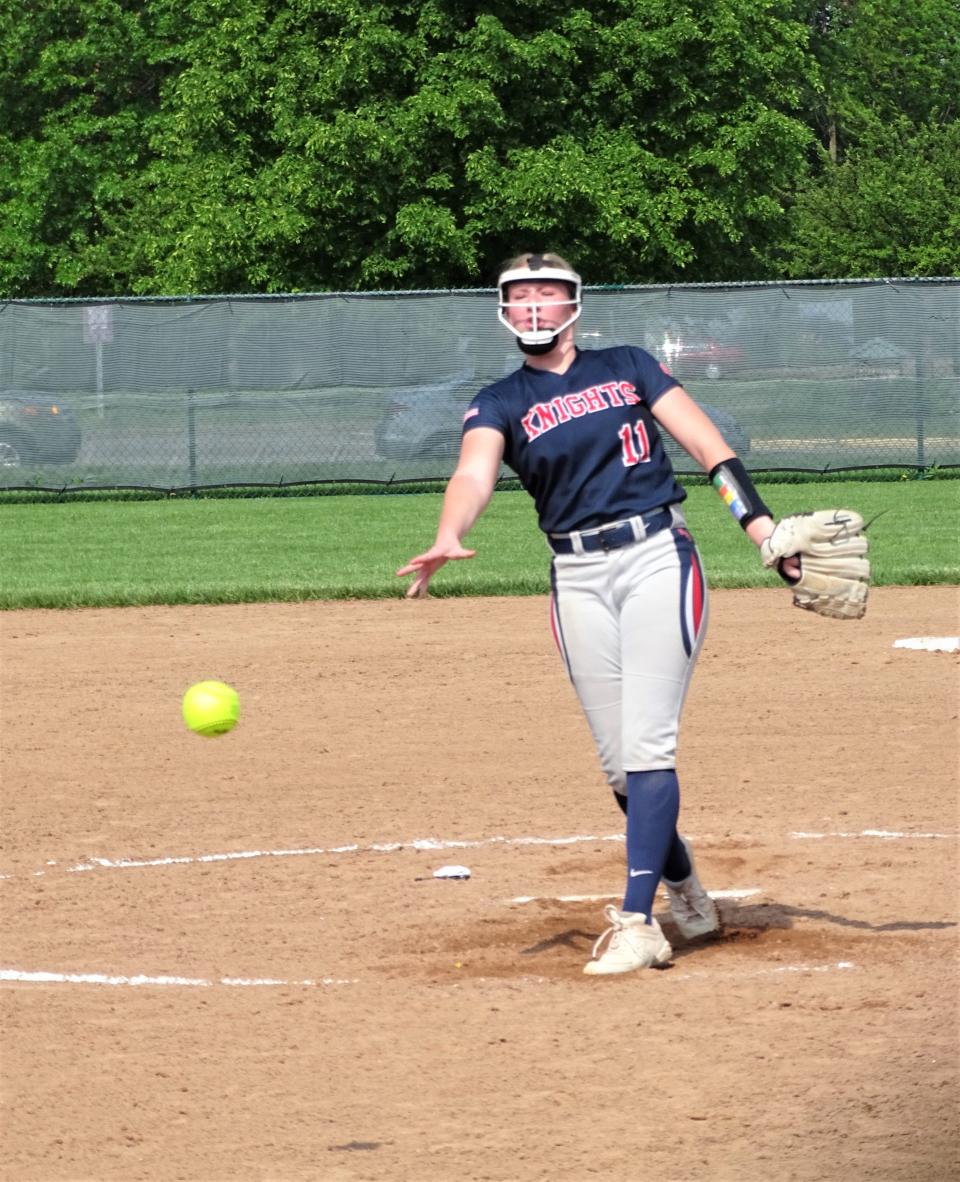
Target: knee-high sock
<point>653,805</point>
<point>677,866</point>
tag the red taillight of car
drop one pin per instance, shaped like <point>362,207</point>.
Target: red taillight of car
<point>30,410</point>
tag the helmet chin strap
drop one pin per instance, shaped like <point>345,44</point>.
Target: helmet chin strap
<point>539,349</point>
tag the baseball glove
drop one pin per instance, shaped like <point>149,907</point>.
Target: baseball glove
<point>834,569</point>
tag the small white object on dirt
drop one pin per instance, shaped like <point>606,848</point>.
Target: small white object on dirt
<point>931,644</point>
<point>452,872</point>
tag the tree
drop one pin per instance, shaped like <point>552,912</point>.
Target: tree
<point>269,145</point>
<point>884,194</point>
<point>77,94</point>
<point>891,208</point>
<point>883,60</point>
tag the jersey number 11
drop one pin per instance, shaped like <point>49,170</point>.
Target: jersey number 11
<point>638,453</point>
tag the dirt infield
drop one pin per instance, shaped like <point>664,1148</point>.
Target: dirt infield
<point>230,959</point>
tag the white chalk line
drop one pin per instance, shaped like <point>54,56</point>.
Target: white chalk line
<point>17,976</point>
<point>419,845</point>
<point>883,834</point>
<point>427,844</point>
<point>779,970</point>
<point>44,978</point>
<point>736,893</point>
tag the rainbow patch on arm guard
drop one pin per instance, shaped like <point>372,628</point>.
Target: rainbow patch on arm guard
<point>733,483</point>
<point>730,495</point>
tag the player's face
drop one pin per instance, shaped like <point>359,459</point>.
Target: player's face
<point>550,299</point>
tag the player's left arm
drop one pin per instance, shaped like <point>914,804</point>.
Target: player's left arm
<point>692,428</point>
<point>702,440</point>
<point>822,555</point>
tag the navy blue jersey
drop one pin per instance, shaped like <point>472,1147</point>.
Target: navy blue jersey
<point>584,443</point>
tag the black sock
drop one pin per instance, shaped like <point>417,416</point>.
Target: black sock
<point>677,866</point>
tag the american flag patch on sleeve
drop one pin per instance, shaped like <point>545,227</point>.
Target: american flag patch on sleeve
<point>474,410</point>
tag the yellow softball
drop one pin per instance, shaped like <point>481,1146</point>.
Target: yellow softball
<point>211,708</point>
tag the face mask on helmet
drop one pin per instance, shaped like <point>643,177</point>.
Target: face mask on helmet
<point>534,339</point>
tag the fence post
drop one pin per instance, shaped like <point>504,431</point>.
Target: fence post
<point>192,441</point>
<point>920,408</point>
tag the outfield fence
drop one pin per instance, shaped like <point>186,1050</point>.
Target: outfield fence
<point>199,392</point>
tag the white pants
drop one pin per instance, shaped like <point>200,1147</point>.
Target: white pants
<point>629,624</point>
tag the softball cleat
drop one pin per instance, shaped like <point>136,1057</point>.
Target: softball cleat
<point>692,909</point>
<point>631,943</point>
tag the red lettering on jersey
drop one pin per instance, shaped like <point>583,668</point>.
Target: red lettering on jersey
<point>529,424</point>
<point>595,400</point>
<point>561,410</point>
<point>544,416</point>
<point>547,415</point>
<point>575,404</point>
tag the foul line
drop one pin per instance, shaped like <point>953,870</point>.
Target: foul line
<point>746,893</point>
<point>16,976</point>
<point>388,847</point>
<point>429,843</point>
<point>883,834</point>
<point>774,972</point>
<point>41,978</point>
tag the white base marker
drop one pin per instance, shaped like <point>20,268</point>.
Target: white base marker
<point>930,644</point>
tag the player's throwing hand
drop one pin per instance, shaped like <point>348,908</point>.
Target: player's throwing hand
<point>424,566</point>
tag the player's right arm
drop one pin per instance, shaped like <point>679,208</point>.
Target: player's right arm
<point>467,494</point>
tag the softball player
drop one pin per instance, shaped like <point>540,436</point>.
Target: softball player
<point>581,429</point>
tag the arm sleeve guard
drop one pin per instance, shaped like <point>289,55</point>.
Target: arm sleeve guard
<point>733,483</point>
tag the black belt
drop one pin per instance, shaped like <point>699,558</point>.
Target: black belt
<point>613,536</point>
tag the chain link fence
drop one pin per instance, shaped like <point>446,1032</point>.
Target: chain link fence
<point>190,393</point>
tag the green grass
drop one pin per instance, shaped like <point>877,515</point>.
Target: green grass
<point>233,550</point>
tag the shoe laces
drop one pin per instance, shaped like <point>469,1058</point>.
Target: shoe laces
<point>613,933</point>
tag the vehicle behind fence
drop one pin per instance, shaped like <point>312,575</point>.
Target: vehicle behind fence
<point>267,390</point>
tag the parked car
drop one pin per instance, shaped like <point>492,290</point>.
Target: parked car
<point>36,429</point>
<point>696,356</point>
<point>425,423</point>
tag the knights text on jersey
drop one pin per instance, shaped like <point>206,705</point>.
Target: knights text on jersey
<point>584,443</point>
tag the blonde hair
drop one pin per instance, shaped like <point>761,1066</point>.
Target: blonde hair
<point>523,260</point>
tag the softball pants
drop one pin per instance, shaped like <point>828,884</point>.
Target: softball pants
<point>629,624</point>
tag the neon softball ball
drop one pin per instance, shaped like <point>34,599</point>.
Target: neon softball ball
<point>211,708</point>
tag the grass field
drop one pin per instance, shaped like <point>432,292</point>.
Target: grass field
<point>212,550</point>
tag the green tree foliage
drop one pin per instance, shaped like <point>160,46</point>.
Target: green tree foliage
<point>890,208</point>
<point>884,196</point>
<point>196,146</point>
<point>266,145</point>
<point>77,93</point>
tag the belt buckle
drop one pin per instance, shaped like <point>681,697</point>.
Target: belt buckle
<point>602,533</point>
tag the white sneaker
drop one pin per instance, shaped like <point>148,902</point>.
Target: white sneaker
<point>693,911</point>
<point>634,944</point>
